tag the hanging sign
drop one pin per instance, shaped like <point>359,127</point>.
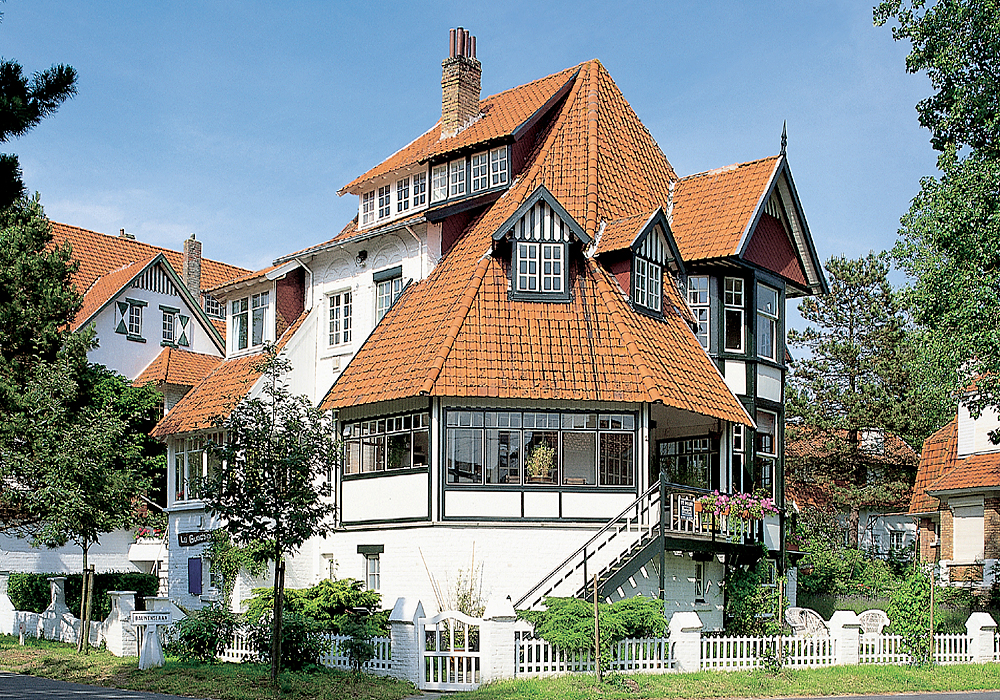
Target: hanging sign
<point>189,539</point>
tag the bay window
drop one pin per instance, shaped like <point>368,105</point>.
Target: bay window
<point>733,306</point>
<point>540,447</point>
<point>698,299</point>
<point>397,442</point>
<point>688,461</point>
<point>767,322</point>
<point>193,465</point>
<point>766,451</point>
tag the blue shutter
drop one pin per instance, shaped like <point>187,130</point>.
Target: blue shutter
<point>194,576</point>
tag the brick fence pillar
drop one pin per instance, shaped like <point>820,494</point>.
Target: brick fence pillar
<point>406,645</point>
<point>119,634</point>
<point>496,640</point>
<point>981,629</point>
<point>685,637</point>
<point>845,629</point>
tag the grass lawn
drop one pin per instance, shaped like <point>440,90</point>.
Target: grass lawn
<point>221,681</point>
<point>250,681</point>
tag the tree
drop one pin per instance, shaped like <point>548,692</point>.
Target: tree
<point>24,102</point>
<point>274,475</point>
<point>854,378</point>
<point>957,43</point>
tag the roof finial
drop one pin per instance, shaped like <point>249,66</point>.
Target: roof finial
<point>784,136</point>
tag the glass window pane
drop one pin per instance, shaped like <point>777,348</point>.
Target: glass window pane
<point>503,457</point>
<point>541,448</point>
<point>579,463</point>
<point>352,457</point>
<point>465,456</point>
<point>372,453</point>
<point>616,459</point>
<point>734,329</point>
<point>399,451</point>
<point>421,448</point>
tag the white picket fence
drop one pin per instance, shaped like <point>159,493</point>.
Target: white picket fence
<point>746,653</point>
<point>882,649</point>
<point>536,657</point>
<point>952,649</point>
<point>240,650</point>
<point>996,648</point>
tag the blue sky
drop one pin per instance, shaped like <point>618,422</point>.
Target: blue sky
<point>239,121</point>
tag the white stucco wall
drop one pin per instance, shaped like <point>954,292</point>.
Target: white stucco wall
<point>110,554</point>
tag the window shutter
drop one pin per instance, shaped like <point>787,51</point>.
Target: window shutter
<point>194,576</point>
<point>184,332</point>
<point>121,313</point>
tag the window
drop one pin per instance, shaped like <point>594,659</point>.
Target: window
<point>698,300</point>
<point>480,171</point>
<point>384,204</point>
<point>388,286</point>
<point>340,318</point>
<point>648,284</point>
<point>214,308</point>
<point>896,539</point>
<point>192,465</point>
<point>169,326</point>
<point>733,303</point>
<point>456,172</point>
<point>514,447</point>
<point>767,322</point>
<point>739,456</point>
<point>398,442</point>
<point>419,189</point>
<point>367,208</point>
<point>699,582</point>
<point>403,194</point>
<point>372,572</point>
<point>498,166</point>
<point>767,450</point>
<point>439,182</point>
<point>135,320</point>
<point>540,267</point>
<point>248,323</point>
<point>128,318</point>
<point>689,461</point>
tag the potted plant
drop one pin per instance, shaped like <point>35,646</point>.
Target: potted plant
<point>540,463</point>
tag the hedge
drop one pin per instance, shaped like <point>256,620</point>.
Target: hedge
<point>31,592</point>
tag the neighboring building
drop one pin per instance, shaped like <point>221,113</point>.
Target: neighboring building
<point>505,331</point>
<point>957,499</point>
<point>154,324</point>
<point>881,529</point>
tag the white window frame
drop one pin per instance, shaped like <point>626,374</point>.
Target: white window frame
<point>367,208</point>
<point>419,190</point>
<point>384,201</point>
<point>373,572</point>
<point>897,539</point>
<point>532,267</point>
<point>250,309</point>
<point>648,282</point>
<point>499,167</point>
<point>480,167</point>
<point>733,303</point>
<point>135,320</point>
<point>340,307</point>
<point>239,309</point>
<point>767,321</point>
<point>386,293</point>
<point>456,178</point>
<point>439,183</point>
<point>402,194</point>
<point>169,335</point>
<point>214,308</point>
<point>259,309</point>
<point>699,299</point>
<point>186,468</point>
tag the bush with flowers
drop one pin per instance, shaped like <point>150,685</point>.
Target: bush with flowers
<point>744,506</point>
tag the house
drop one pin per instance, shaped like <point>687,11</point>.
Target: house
<point>884,459</point>
<point>530,320</point>
<point>957,500</point>
<point>155,324</point>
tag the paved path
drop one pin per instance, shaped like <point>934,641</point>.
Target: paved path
<point>14,686</point>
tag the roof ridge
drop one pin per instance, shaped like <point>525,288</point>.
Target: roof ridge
<point>631,346</point>
<point>593,117</point>
<point>455,325</point>
<point>727,168</point>
<point>578,66</point>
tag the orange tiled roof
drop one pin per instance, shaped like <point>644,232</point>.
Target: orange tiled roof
<point>99,254</point>
<point>180,367</point>
<point>104,287</point>
<point>620,234</point>
<point>712,210</point>
<point>219,392</point>
<point>501,114</point>
<point>248,277</point>
<point>815,445</point>
<point>456,333</point>
<point>979,471</point>
<point>938,457</point>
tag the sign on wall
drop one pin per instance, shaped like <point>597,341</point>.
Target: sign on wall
<point>189,539</point>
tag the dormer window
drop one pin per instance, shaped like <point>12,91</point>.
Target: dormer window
<point>648,287</point>
<point>403,194</point>
<point>384,205</point>
<point>439,182</point>
<point>419,190</point>
<point>541,267</point>
<point>368,208</point>
<point>456,174</point>
<point>498,166</point>
<point>480,172</point>
<point>248,321</point>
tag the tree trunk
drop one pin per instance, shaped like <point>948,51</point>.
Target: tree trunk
<point>853,520</point>
<point>83,597</point>
<point>279,590</point>
<point>89,576</point>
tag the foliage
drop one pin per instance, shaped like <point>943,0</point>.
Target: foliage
<point>359,647</point>
<point>32,592</point>
<point>24,102</point>
<point>751,603</point>
<point>569,622</point>
<point>467,595</point>
<point>957,43</point>
<point>274,474</point>
<point>739,505</point>
<point>330,603</point>
<point>302,641</point>
<point>205,633</point>
<point>909,615</point>
<point>228,560</point>
<point>541,461</point>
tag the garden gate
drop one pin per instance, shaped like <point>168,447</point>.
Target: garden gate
<point>450,654</point>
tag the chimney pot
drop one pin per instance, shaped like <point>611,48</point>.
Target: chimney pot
<point>452,43</point>
<point>461,83</point>
<point>191,266</point>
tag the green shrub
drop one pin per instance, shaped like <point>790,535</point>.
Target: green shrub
<point>302,641</point>
<point>751,606</point>
<point>358,647</point>
<point>909,615</point>
<point>329,603</point>
<point>31,592</point>
<point>204,634</point>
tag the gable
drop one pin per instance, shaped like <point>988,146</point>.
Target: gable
<point>770,247</point>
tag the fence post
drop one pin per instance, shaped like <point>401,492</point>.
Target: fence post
<point>981,629</point>
<point>8,624</point>
<point>406,643</point>
<point>496,640</point>
<point>845,630</point>
<point>685,637</point>
<point>119,635</point>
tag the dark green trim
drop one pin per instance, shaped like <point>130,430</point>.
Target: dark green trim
<point>137,302</point>
<point>549,297</point>
<point>391,273</point>
<point>371,549</point>
<point>520,519</point>
<point>482,198</point>
<point>167,344</point>
<point>384,472</point>
<point>386,521</point>
<point>170,309</point>
<point>540,488</point>
<point>135,338</point>
<point>542,193</point>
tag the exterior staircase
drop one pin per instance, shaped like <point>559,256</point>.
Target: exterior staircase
<point>661,519</point>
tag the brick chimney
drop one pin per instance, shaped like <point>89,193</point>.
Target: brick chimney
<point>461,78</point>
<point>191,267</point>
